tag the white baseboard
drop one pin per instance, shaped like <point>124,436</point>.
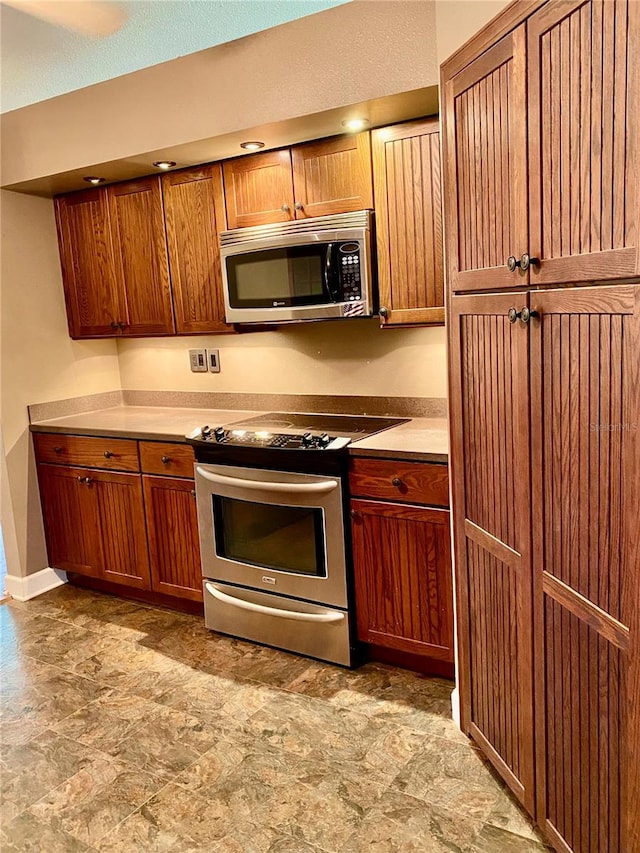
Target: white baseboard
<point>22,589</point>
<point>455,707</point>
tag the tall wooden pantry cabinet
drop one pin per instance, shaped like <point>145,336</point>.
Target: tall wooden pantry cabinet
<point>542,220</point>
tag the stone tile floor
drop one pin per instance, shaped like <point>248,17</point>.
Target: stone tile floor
<point>129,728</point>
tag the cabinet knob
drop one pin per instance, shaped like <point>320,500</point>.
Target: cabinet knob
<point>527,261</point>
<point>166,460</point>
<point>512,263</point>
<point>80,479</point>
<point>355,515</point>
<point>122,326</point>
<point>88,481</point>
<point>397,482</point>
<point>513,314</point>
<point>299,205</point>
<point>108,454</point>
<point>114,325</point>
<point>193,493</point>
<point>285,208</point>
<point>57,449</point>
<point>384,312</point>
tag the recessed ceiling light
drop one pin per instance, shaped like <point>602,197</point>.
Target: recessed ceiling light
<point>90,179</point>
<point>164,164</point>
<point>251,146</point>
<point>355,123</point>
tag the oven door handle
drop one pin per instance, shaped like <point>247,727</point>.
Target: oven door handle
<point>296,615</point>
<point>256,485</point>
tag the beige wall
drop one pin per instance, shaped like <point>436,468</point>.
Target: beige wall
<point>362,50</point>
<point>348,358</point>
<point>38,362</point>
<point>458,20</point>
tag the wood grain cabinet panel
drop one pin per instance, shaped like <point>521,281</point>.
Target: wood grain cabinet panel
<point>402,566</point>
<point>93,299</point>
<point>94,523</point>
<point>174,546</point>
<point>194,214</point>
<point>140,249</point>
<point>406,172</point>
<point>71,523</point>
<point>258,189</point>
<point>169,458</point>
<point>485,154</point>
<point>332,176</point>
<point>585,346</point>
<point>584,155</point>
<point>116,454</point>
<point>395,480</point>
<point>492,531</point>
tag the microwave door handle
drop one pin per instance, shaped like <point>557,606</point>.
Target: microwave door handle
<point>329,273</point>
<point>258,486</point>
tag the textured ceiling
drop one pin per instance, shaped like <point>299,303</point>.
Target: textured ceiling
<point>40,61</point>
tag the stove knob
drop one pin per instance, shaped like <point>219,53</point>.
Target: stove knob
<point>307,440</point>
<point>324,440</point>
<point>219,433</point>
<point>205,432</point>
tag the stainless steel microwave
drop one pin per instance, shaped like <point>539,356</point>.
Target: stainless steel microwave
<point>310,269</point>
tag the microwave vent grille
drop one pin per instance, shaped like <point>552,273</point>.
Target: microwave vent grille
<point>318,224</point>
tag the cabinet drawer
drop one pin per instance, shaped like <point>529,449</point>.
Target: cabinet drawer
<point>416,482</point>
<point>114,454</point>
<point>171,458</point>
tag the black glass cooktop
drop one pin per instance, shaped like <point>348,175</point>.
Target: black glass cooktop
<point>349,426</point>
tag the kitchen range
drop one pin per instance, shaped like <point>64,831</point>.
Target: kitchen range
<point>272,495</point>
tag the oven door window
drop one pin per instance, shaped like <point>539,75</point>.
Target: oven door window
<point>272,536</point>
<point>295,275</point>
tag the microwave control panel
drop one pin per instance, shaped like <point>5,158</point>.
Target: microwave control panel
<point>349,271</point>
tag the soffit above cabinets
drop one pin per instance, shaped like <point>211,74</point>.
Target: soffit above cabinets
<point>379,112</point>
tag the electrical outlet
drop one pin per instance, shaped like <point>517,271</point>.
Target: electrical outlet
<point>213,360</point>
<point>198,360</point>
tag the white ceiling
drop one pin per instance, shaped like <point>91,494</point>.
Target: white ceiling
<point>40,61</point>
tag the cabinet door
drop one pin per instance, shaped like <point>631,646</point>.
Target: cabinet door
<point>174,546</point>
<point>194,214</point>
<point>120,527</point>
<point>332,176</point>
<point>585,362</point>
<point>406,172</point>
<point>70,514</point>
<point>584,149</point>
<point>258,189</point>
<point>402,567</point>
<point>485,156</point>
<point>91,293</point>
<point>140,246</point>
<point>489,405</point>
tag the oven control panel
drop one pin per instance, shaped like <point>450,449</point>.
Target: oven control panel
<point>263,438</point>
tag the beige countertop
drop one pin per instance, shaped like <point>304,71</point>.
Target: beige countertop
<point>423,439</point>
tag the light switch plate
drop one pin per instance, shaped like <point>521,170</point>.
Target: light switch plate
<point>198,360</point>
<point>213,359</point>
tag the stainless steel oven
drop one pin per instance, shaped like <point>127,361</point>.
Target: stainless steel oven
<point>275,546</point>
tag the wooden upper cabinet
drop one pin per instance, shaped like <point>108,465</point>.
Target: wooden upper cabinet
<point>92,298</point>
<point>332,176</point>
<point>584,170</point>
<point>485,152</point>
<point>194,214</point>
<point>140,249</point>
<point>406,173</point>
<point>258,189</point>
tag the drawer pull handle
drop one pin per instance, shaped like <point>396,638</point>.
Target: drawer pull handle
<point>58,449</point>
<point>108,454</point>
<point>166,460</point>
<point>397,482</point>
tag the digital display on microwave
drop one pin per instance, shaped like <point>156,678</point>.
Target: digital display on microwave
<point>294,275</point>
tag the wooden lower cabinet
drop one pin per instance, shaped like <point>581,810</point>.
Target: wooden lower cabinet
<point>546,485</point>
<point>174,546</point>
<point>94,523</point>
<point>402,568</point>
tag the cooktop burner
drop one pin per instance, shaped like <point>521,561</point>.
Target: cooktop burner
<point>292,431</point>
